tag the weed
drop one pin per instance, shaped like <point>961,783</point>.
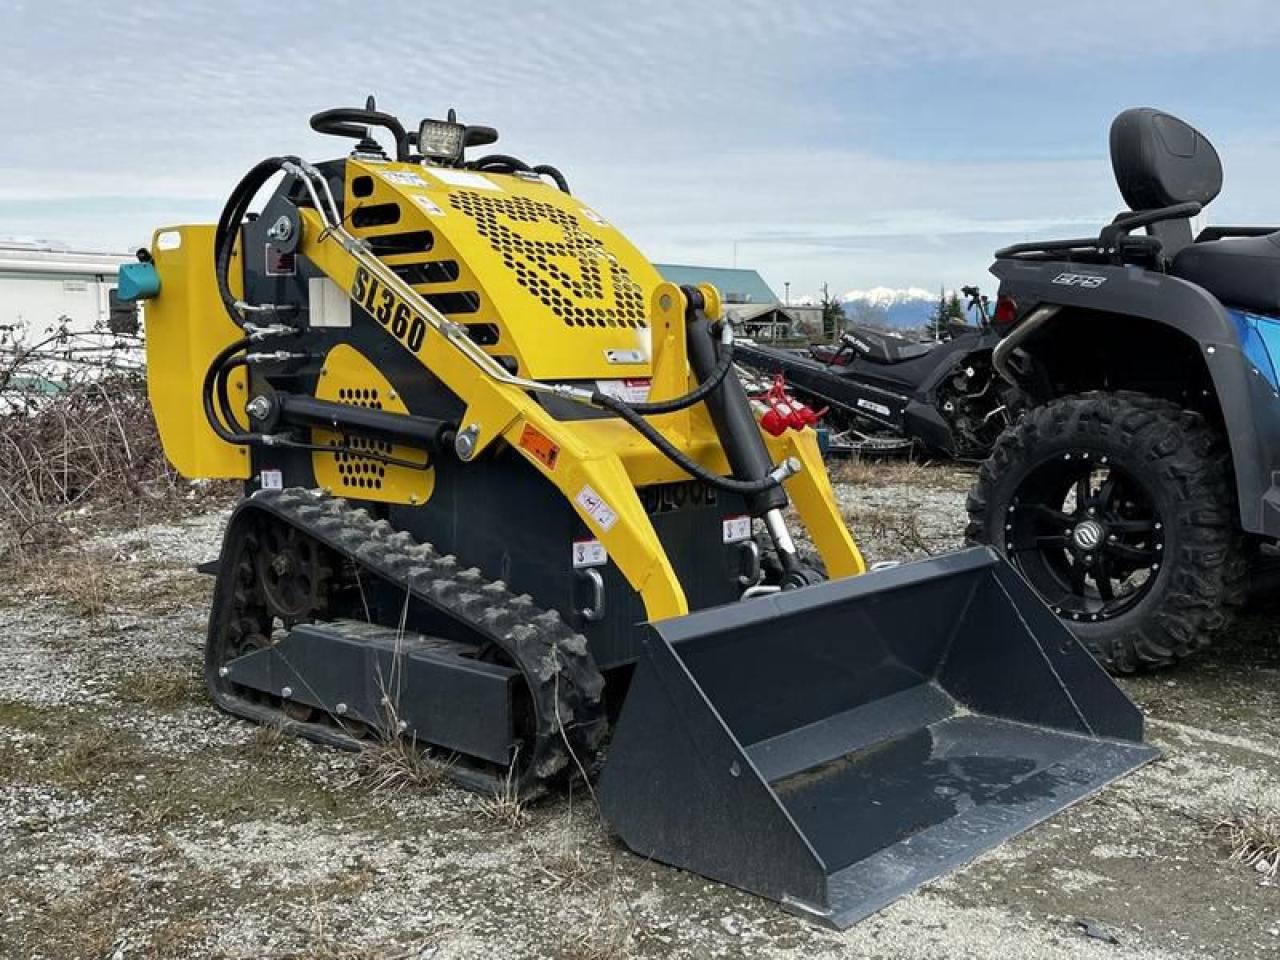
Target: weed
<point>163,686</point>
<point>90,756</point>
<point>1254,840</point>
<point>505,808</point>
<point>265,739</point>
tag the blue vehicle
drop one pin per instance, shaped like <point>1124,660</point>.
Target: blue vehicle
<point>1146,470</point>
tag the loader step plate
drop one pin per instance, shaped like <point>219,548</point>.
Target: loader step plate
<point>834,747</point>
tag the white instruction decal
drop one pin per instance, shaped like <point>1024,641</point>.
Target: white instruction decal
<point>427,204</point>
<point>406,178</point>
<point>589,553</point>
<point>595,507</point>
<point>594,217</point>
<point>737,529</point>
<point>271,480</point>
<point>463,178</point>
<point>628,391</point>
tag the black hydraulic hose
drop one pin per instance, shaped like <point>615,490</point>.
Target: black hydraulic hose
<point>228,229</point>
<point>505,163</point>
<point>679,457</point>
<point>224,399</point>
<point>700,392</point>
<point>546,170</point>
<point>212,378</point>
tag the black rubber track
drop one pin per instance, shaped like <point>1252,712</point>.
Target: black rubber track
<point>565,686</point>
<point>1186,465</point>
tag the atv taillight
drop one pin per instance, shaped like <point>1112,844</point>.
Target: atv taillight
<point>1006,312</point>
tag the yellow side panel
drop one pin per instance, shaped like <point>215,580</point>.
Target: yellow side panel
<point>350,377</point>
<point>186,327</point>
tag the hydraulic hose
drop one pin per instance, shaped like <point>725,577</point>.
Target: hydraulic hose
<point>505,163</point>
<point>687,463</point>
<point>213,381</point>
<point>700,392</point>
<point>233,214</point>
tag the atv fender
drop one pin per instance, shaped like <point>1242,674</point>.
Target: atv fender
<point>1246,399</point>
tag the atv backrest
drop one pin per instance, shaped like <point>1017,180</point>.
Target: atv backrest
<point>1160,161</point>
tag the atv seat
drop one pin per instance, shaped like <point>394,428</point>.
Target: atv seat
<point>1240,271</point>
<point>879,347</point>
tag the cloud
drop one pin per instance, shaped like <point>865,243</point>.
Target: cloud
<point>692,126</point>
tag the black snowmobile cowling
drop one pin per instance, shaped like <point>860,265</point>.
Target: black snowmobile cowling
<point>942,395</point>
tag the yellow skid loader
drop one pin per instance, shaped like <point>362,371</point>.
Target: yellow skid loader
<point>502,484</point>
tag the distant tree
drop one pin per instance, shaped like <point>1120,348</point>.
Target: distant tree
<point>955,311</point>
<point>937,325</point>
<point>833,318</point>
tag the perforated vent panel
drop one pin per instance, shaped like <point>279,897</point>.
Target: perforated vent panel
<point>361,473</point>
<point>588,300</point>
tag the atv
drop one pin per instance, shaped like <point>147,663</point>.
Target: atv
<point>1131,492</point>
<point>886,394</point>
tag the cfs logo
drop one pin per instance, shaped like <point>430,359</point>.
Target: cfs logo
<point>1083,280</point>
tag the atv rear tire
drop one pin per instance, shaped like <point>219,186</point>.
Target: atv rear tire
<point>1166,507</point>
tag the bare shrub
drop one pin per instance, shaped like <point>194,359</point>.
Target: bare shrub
<point>76,431</point>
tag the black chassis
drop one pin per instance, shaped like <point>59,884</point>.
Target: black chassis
<point>1247,405</point>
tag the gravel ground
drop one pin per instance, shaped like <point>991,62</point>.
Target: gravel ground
<point>136,821</point>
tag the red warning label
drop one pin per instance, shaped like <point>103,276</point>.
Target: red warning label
<point>540,446</point>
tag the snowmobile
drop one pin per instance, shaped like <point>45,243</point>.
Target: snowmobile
<point>887,394</point>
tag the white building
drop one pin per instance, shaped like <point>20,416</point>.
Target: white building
<point>43,284</point>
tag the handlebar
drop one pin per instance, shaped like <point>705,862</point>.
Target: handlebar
<point>347,122</point>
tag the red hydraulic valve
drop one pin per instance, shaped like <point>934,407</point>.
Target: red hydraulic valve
<point>782,412</point>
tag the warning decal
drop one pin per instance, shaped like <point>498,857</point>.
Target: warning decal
<point>539,446</point>
<point>595,507</point>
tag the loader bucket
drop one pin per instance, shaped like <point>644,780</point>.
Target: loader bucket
<point>834,747</point>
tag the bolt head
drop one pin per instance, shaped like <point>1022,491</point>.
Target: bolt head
<point>223,671</point>
<point>341,709</point>
<point>286,692</point>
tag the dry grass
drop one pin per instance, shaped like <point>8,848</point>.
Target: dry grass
<point>78,578</point>
<point>611,935</point>
<point>83,924</point>
<point>392,763</point>
<point>88,757</point>
<point>265,739</point>
<point>506,808</point>
<point>563,856</point>
<point>899,529</point>
<point>176,938</point>
<point>1254,840</point>
<point>162,686</point>
<point>907,473</point>
<point>323,944</point>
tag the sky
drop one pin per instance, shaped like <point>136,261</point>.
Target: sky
<point>857,143</point>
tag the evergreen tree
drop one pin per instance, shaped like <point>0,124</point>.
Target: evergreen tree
<point>937,325</point>
<point>955,311</point>
<point>833,318</point>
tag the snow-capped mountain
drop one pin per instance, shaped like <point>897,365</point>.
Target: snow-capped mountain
<point>910,307</point>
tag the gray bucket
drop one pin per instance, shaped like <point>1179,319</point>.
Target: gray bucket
<point>834,747</point>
